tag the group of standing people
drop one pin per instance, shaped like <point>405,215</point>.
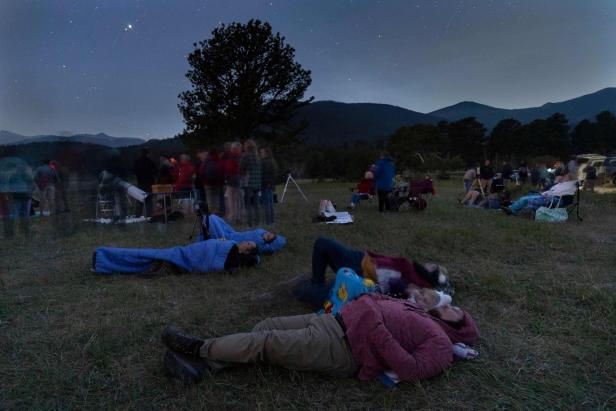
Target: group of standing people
<point>21,189</point>
<point>236,182</point>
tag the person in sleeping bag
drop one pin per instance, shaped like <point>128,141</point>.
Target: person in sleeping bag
<point>393,274</point>
<point>199,257</point>
<point>266,241</point>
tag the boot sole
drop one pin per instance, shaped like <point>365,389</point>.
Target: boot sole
<point>180,367</point>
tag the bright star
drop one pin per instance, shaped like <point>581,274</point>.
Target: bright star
<point>128,27</point>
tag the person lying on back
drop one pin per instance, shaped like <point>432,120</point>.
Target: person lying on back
<point>199,257</point>
<point>393,274</point>
<point>266,241</point>
<point>368,337</point>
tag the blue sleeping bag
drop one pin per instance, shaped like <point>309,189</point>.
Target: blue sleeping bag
<point>200,257</point>
<point>219,228</point>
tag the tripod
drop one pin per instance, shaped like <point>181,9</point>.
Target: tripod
<point>290,178</point>
<point>202,210</point>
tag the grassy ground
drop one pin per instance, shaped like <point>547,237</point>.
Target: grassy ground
<point>544,297</point>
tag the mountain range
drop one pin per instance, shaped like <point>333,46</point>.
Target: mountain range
<point>576,109</point>
<point>333,123</point>
<point>7,137</point>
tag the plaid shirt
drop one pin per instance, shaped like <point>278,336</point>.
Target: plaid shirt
<point>250,167</point>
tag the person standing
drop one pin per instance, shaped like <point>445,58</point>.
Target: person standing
<point>269,171</point>
<point>165,172</point>
<point>572,167</point>
<point>16,190</point>
<point>199,189</point>
<point>250,169</point>
<point>211,174</point>
<point>145,170</point>
<point>469,178</point>
<point>46,178</point>
<point>62,177</point>
<point>384,173</point>
<point>486,173</point>
<point>232,180</point>
<point>591,177</point>
<point>506,172</point>
<point>184,174</point>
<point>523,172</point>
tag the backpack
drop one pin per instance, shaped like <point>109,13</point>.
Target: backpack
<point>551,215</point>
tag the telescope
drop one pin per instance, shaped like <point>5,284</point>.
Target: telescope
<point>111,181</point>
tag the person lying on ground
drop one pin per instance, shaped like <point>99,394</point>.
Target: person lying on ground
<point>369,336</point>
<point>266,241</point>
<point>364,190</point>
<point>199,257</point>
<point>535,200</point>
<point>393,274</point>
<point>349,286</point>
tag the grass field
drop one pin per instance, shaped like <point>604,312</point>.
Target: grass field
<point>544,297</point>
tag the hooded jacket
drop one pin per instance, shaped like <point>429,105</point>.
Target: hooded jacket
<point>200,257</point>
<point>390,334</point>
<point>384,174</point>
<point>219,228</point>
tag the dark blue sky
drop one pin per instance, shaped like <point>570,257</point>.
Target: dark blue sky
<point>117,66</point>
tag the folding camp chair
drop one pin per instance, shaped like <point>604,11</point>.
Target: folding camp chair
<point>570,202</point>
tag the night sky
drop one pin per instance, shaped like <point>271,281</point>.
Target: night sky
<point>117,66</point>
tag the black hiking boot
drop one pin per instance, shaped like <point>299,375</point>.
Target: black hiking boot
<point>181,343</point>
<point>506,210</point>
<point>189,370</point>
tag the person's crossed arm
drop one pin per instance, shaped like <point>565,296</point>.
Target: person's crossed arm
<point>429,359</point>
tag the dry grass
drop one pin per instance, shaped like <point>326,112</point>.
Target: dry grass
<point>544,297</point>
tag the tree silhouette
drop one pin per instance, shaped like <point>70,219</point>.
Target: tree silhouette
<point>244,81</point>
<point>504,138</point>
<point>606,129</point>
<point>466,137</point>
<point>424,139</point>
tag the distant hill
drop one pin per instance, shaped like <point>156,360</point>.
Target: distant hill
<point>333,123</point>
<point>7,137</point>
<point>576,109</point>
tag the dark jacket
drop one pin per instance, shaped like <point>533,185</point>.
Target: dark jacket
<point>269,171</point>
<point>211,171</point>
<point>486,172</point>
<point>384,174</point>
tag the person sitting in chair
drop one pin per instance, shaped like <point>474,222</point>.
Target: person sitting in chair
<point>392,274</point>
<point>199,257</point>
<point>535,200</point>
<point>371,335</point>
<point>266,241</point>
<point>364,190</point>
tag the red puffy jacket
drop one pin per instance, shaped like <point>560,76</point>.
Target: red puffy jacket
<point>390,334</point>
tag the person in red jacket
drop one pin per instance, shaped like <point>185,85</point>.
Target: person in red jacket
<point>183,174</point>
<point>231,167</point>
<point>370,336</point>
<point>364,190</point>
<point>393,274</point>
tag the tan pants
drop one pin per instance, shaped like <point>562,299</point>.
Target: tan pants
<point>232,198</point>
<point>303,342</point>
